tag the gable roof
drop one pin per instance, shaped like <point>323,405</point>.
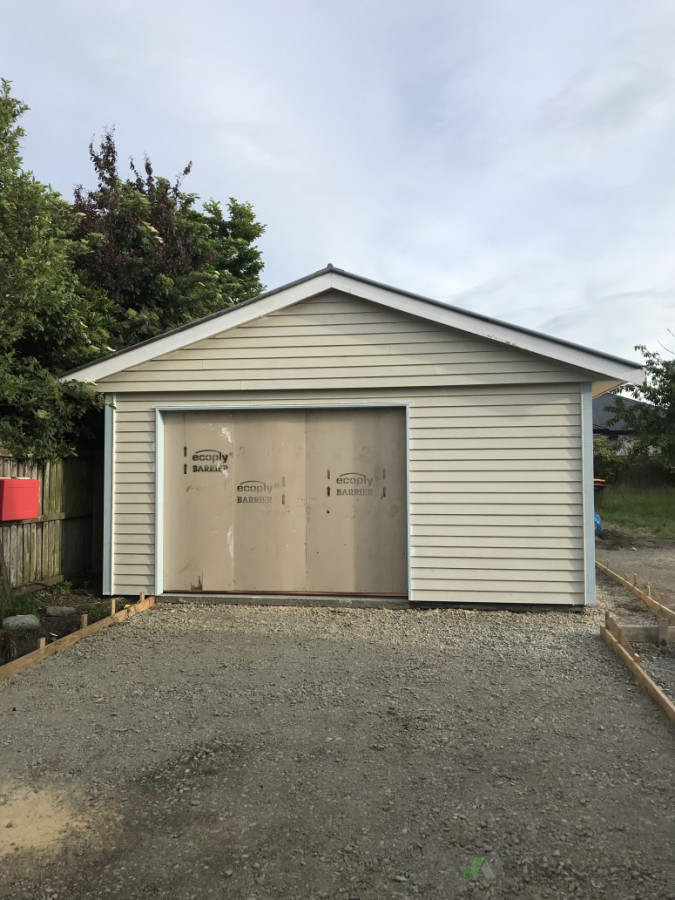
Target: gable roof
<point>615,370</point>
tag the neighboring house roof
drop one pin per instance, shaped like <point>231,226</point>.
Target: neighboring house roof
<point>601,416</point>
<point>613,370</point>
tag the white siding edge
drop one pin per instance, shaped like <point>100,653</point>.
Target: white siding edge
<point>159,502</point>
<point>108,505</point>
<point>408,505</point>
<point>588,493</point>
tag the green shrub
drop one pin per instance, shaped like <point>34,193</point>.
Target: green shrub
<point>98,610</point>
<point>16,601</point>
<point>8,648</point>
<point>621,464</point>
<point>607,462</point>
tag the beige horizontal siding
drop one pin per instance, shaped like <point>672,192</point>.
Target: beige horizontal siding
<point>509,554</point>
<point>515,469</point>
<point>485,543</point>
<point>340,381</point>
<point>488,479</point>
<point>338,342</point>
<point>377,357</point>
<point>140,470</point>
<point>500,594</point>
<point>468,590</point>
<point>495,515</point>
<point>144,401</point>
<point>525,523</point>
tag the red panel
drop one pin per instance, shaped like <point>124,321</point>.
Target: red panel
<point>19,498</point>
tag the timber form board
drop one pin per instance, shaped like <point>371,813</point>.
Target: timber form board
<point>619,637</point>
<point>44,650</point>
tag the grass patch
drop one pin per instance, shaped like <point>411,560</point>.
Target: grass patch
<point>638,513</point>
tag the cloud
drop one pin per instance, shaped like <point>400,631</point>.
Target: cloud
<point>513,157</point>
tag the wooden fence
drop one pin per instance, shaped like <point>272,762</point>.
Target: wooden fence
<point>66,538</point>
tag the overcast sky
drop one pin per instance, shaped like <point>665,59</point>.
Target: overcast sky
<point>514,157</point>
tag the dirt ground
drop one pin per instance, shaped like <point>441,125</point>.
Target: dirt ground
<point>242,752</point>
<point>651,559</point>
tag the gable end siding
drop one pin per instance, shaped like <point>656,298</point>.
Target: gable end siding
<point>334,341</point>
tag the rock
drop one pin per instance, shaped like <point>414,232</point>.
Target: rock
<point>60,611</point>
<point>21,623</point>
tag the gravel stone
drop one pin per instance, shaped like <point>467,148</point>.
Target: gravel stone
<point>286,752</point>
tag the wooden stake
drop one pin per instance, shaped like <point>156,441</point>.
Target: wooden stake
<point>641,676</point>
<point>84,621</point>
<point>620,635</point>
<point>658,608</point>
<point>41,643</point>
<point>646,634</point>
<point>141,597</point>
<point>112,607</point>
<point>663,632</point>
<point>25,662</point>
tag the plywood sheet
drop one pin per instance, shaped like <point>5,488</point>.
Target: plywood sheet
<point>268,524</point>
<point>285,501</point>
<point>198,500</point>
<point>356,501</point>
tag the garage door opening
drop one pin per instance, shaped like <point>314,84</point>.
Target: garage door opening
<point>286,501</point>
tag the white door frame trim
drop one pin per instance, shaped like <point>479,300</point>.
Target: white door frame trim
<point>261,407</point>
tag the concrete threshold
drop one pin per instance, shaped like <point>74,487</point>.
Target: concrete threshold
<point>306,600</point>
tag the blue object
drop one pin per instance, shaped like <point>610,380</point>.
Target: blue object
<point>598,523</point>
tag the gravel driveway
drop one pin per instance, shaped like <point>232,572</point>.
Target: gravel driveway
<point>243,752</point>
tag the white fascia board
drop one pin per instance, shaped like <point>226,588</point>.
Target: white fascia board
<point>387,297</point>
<point>493,331</point>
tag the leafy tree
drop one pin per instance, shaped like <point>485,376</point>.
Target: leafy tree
<point>127,261</point>
<point>653,423</point>
<point>45,323</point>
<point>611,461</point>
<point>161,261</point>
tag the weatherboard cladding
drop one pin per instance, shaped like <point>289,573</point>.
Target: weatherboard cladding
<point>495,469</point>
<point>338,341</point>
<point>615,370</point>
<point>494,518</point>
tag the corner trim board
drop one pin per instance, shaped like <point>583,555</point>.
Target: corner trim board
<point>407,502</point>
<point>108,486</point>
<point>587,487</point>
<point>159,502</point>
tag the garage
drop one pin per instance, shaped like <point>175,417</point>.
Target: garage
<point>341,437</point>
<point>286,501</point>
